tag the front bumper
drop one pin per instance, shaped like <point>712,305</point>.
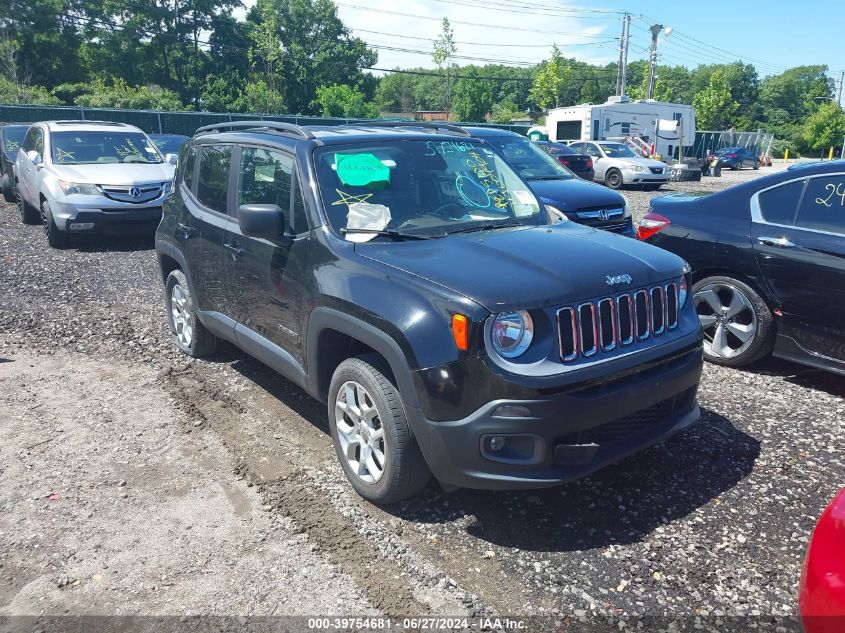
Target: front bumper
<point>82,219</point>
<point>561,435</point>
<point>644,177</point>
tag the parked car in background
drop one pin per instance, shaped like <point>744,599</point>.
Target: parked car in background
<point>617,165</point>
<point>82,177</point>
<point>768,264</point>
<point>578,164</point>
<point>737,158</point>
<point>583,202</point>
<point>821,593</point>
<point>169,145</point>
<point>11,138</point>
<point>407,276</point>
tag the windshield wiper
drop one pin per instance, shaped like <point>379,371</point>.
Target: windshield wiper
<point>557,177</point>
<point>486,227</point>
<point>393,233</point>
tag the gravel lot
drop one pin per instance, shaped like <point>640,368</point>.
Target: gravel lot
<point>211,486</point>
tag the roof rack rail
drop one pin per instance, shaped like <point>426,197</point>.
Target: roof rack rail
<point>431,125</point>
<point>276,126</point>
<point>90,122</point>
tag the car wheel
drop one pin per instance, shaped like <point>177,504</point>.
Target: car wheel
<point>8,190</point>
<point>27,214</point>
<point>756,164</point>
<point>738,325</point>
<point>189,335</point>
<point>371,435</point>
<point>613,178</point>
<point>55,237</point>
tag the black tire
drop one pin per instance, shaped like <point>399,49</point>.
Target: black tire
<point>764,336</point>
<point>8,189</point>
<point>756,165</point>
<point>201,342</point>
<point>55,237</point>
<point>405,472</point>
<point>613,178</point>
<point>27,213</point>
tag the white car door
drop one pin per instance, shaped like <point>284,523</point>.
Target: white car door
<point>29,172</point>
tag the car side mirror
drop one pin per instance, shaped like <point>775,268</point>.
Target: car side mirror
<point>266,221</point>
<point>173,159</point>
<point>34,157</point>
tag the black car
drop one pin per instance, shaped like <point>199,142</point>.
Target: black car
<point>169,143</point>
<point>768,264</point>
<point>581,166</point>
<point>405,275</point>
<point>11,138</point>
<point>737,158</point>
<point>580,201</point>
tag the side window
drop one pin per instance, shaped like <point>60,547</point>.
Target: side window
<point>188,165</point>
<point>578,148</point>
<point>779,205</point>
<point>213,179</point>
<point>823,206</point>
<point>29,140</point>
<point>266,177</point>
<point>39,141</point>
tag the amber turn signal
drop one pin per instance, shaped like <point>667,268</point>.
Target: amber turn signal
<point>460,331</point>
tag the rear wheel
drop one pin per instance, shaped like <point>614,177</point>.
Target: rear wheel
<point>613,178</point>
<point>189,334</point>
<point>756,164</point>
<point>8,189</point>
<point>738,325</point>
<point>55,237</point>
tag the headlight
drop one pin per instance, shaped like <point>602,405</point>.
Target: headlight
<point>557,212</point>
<point>635,167</point>
<point>512,333</point>
<point>79,188</point>
<point>683,291</point>
<point>627,213</point>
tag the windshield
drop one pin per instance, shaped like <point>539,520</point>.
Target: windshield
<point>617,150</point>
<point>532,162</point>
<point>169,144</point>
<point>81,148</point>
<point>13,137</point>
<point>421,187</point>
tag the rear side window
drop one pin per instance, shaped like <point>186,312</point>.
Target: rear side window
<point>213,178</point>
<point>823,206</point>
<point>188,168</point>
<point>266,177</point>
<point>778,205</point>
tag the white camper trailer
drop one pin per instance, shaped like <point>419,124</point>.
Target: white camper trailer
<point>621,118</point>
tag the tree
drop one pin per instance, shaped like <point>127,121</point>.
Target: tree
<point>473,96</point>
<point>395,93</point>
<point>258,97</point>
<point>640,90</point>
<point>550,81</point>
<point>714,106</point>
<point>825,127</point>
<point>504,111</point>
<point>444,48</point>
<point>345,101</point>
<point>119,94</point>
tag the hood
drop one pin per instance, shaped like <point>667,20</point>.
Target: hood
<point>574,194</point>
<point>529,267</point>
<point>116,173</point>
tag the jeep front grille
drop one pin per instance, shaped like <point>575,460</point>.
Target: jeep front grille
<point>593,327</point>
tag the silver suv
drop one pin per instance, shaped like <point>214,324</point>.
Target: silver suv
<point>90,176</point>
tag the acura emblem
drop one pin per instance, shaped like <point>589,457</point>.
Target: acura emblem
<point>612,280</point>
<point>135,192</point>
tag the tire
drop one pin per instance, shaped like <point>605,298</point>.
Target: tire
<point>613,178</point>
<point>8,189</point>
<point>55,237</point>
<point>404,472</point>
<point>736,308</point>
<point>756,165</point>
<point>188,334</point>
<point>27,213</point>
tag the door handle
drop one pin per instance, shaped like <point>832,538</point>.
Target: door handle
<point>236,250</point>
<point>781,242</point>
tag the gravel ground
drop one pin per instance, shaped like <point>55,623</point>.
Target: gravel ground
<point>712,523</point>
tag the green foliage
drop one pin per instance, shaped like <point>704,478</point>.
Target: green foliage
<point>551,79</point>
<point>25,95</point>
<point>473,96</point>
<point>120,95</point>
<point>444,48</point>
<point>825,127</point>
<point>780,145</point>
<point>344,101</point>
<point>639,90</point>
<point>258,97</point>
<point>714,106</point>
<point>504,111</point>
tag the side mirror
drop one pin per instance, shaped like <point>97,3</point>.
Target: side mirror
<point>173,159</point>
<point>35,157</point>
<point>266,221</point>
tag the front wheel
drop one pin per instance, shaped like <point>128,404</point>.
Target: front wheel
<point>370,432</point>
<point>613,179</point>
<point>738,325</point>
<point>55,237</point>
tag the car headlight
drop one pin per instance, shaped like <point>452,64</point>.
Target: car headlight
<point>635,167</point>
<point>512,333</point>
<point>557,212</point>
<point>683,291</point>
<point>79,188</point>
<point>628,212</point>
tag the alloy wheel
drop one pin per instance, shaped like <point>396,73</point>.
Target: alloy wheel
<point>183,321</point>
<point>360,432</point>
<point>727,318</point>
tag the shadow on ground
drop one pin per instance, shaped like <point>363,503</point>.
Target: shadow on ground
<point>801,375</point>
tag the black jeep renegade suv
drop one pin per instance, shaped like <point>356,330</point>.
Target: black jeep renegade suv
<point>405,275</point>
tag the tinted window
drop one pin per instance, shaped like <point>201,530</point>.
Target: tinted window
<point>823,206</point>
<point>188,168</point>
<point>13,136</point>
<point>213,179</point>
<point>778,205</point>
<point>34,140</point>
<point>265,178</point>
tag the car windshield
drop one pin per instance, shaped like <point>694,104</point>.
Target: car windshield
<point>420,188</point>
<point>13,137</point>
<point>169,144</point>
<point>81,148</point>
<point>617,150</point>
<point>530,161</point>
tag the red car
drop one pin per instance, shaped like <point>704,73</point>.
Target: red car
<point>821,597</point>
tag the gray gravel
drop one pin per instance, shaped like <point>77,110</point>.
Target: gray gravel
<point>713,522</point>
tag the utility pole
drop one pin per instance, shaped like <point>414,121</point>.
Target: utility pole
<point>652,59</point>
<point>841,81</point>
<point>622,74</point>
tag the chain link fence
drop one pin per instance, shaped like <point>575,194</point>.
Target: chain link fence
<point>186,123</point>
<point>758,142</point>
